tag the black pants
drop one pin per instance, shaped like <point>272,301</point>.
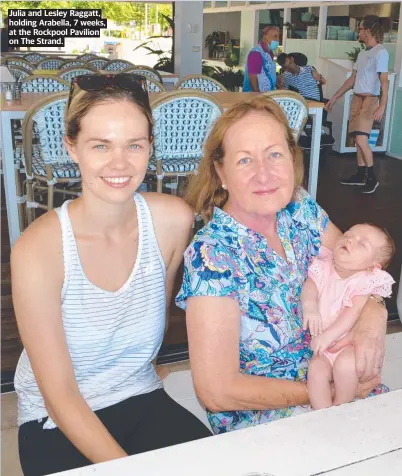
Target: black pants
<point>142,423</point>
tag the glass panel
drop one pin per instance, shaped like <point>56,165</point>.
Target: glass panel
<point>207,4</point>
<point>221,4</point>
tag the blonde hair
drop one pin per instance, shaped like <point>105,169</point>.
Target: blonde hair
<point>82,101</point>
<point>205,189</point>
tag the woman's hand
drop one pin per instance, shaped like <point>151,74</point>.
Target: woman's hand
<point>368,340</point>
<point>364,389</point>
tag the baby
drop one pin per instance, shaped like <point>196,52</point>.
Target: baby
<point>339,284</point>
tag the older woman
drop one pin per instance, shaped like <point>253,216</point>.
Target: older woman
<point>245,269</point>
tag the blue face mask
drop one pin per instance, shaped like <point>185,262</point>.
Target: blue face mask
<point>273,45</point>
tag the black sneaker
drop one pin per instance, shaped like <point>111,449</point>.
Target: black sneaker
<point>353,180</point>
<point>370,186</point>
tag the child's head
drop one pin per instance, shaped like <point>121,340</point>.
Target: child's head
<point>364,247</point>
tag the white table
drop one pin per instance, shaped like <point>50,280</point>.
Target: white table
<point>358,439</point>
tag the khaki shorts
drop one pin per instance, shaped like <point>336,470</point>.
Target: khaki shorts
<point>361,114</point>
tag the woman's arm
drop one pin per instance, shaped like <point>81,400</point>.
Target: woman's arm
<point>37,279</point>
<point>213,327</point>
<point>330,236</point>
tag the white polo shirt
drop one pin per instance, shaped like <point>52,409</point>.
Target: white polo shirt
<point>369,63</point>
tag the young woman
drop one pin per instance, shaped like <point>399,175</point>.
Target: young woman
<point>91,283</point>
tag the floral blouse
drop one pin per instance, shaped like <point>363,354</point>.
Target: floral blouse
<point>226,258</point>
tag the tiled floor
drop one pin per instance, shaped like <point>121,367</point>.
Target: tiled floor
<point>178,384</point>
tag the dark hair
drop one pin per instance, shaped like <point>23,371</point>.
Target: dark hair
<point>281,59</point>
<point>5,21</point>
<point>83,101</point>
<point>299,58</point>
<point>372,23</point>
<point>388,250</point>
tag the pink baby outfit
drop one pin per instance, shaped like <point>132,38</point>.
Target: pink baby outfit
<point>336,293</point>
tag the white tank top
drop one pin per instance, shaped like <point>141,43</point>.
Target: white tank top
<point>112,336</point>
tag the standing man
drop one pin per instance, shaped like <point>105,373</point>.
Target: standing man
<point>369,77</point>
<point>260,73</point>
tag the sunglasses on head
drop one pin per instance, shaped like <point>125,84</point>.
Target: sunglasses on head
<point>134,83</point>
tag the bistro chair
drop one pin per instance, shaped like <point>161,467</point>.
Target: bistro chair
<point>154,86</point>
<point>69,74</point>
<point>34,58</point>
<point>50,63</point>
<point>71,64</point>
<point>98,63</point>
<point>295,108</point>
<point>200,82</point>
<point>17,61</point>
<point>53,167</point>
<point>43,84</point>
<point>145,71</point>
<point>115,66</point>
<point>182,121</point>
<point>18,72</point>
<point>87,57</point>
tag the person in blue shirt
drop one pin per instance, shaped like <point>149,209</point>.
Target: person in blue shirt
<point>260,73</point>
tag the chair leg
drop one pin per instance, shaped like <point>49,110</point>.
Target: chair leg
<point>50,195</point>
<point>30,198</point>
<point>20,196</point>
<point>159,176</point>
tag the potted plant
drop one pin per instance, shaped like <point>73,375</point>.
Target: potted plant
<point>353,54</point>
<point>211,41</point>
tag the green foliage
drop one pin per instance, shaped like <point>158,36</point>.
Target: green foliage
<point>232,80</point>
<point>165,58</point>
<point>119,12</point>
<point>354,53</point>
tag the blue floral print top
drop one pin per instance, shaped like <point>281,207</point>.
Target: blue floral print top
<point>226,258</point>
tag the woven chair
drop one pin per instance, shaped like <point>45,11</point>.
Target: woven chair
<point>182,121</point>
<point>50,63</point>
<point>145,71</point>
<point>17,61</point>
<point>154,86</point>
<point>200,82</point>
<point>19,72</point>
<point>34,58</point>
<point>44,84</point>
<point>87,57</point>
<point>54,166</point>
<point>98,63</point>
<point>295,108</point>
<point>69,74</point>
<point>71,64</point>
<point>114,66</point>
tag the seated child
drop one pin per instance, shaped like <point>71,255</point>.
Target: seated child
<point>339,284</point>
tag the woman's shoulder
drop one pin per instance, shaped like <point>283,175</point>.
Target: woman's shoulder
<point>169,210</point>
<point>305,210</point>
<point>40,243</point>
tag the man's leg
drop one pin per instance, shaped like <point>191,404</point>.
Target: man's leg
<point>359,177</point>
<point>372,182</point>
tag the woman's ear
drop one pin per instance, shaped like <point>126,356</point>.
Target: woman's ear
<point>70,149</point>
<point>220,172</point>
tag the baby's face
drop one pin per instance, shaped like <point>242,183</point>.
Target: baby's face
<point>359,248</point>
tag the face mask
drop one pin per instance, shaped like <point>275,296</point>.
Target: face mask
<point>273,45</point>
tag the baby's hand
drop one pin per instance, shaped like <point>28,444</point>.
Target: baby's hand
<point>312,320</point>
<point>320,344</point>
